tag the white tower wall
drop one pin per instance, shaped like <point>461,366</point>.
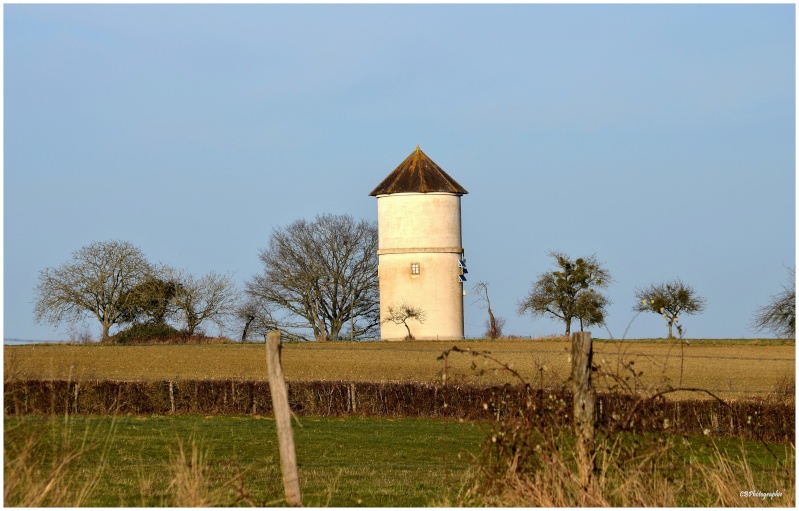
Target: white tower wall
<point>419,220</point>
<point>421,229</point>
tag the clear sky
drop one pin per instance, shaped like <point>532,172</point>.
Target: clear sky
<point>659,137</point>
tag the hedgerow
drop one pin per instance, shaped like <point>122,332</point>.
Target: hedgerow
<point>772,421</point>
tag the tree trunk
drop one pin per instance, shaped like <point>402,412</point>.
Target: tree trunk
<point>410,337</point>
<point>191,322</point>
<point>671,336</point>
<point>492,324</point>
<point>568,326</point>
<point>335,328</point>
<point>319,327</point>
<point>250,319</point>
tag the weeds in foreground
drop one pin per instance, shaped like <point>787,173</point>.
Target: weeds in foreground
<point>40,471</point>
<point>540,470</point>
<point>193,485</point>
<point>531,456</point>
<point>190,485</point>
<point>44,471</point>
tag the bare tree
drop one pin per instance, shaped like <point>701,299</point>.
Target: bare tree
<point>779,316</point>
<point>325,273</point>
<point>212,297</point>
<point>257,317</point>
<point>402,313</point>
<point>670,300</point>
<point>247,311</point>
<point>570,293</point>
<point>493,324</point>
<point>96,282</point>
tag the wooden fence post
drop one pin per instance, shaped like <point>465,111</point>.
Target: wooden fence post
<point>353,397</point>
<point>285,435</point>
<point>584,406</point>
<point>75,404</point>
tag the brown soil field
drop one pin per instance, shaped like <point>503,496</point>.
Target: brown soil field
<point>731,369</point>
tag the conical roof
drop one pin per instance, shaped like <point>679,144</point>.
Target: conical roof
<point>418,174</point>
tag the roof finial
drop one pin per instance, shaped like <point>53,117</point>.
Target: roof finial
<point>417,148</point>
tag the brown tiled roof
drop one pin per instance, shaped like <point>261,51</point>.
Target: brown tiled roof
<point>418,174</point>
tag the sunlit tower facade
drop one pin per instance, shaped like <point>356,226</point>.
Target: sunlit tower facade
<point>420,251</point>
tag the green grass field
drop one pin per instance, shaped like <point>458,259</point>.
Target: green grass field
<point>352,462</point>
<point>343,462</point>
<point>731,368</point>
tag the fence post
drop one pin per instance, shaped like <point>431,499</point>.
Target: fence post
<point>285,435</point>
<point>584,406</point>
<point>75,404</point>
<point>171,397</point>
<point>353,398</point>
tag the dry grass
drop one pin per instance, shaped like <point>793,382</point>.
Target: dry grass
<point>41,471</point>
<point>725,368</point>
<point>652,477</point>
<point>190,485</point>
<point>785,389</point>
<point>30,484</point>
<point>532,460</point>
<point>193,483</point>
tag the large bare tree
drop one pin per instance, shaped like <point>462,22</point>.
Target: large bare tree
<point>98,282</point>
<point>324,275</point>
<point>212,297</point>
<point>570,292</point>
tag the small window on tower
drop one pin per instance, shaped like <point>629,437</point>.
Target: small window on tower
<point>414,268</point>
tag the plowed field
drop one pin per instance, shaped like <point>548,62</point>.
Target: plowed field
<point>732,369</point>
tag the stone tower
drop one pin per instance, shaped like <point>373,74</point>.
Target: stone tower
<point>420,251</point>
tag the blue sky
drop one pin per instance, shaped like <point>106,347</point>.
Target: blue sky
<point>659,137</point>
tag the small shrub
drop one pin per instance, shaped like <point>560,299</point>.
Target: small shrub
<point>785,389</point>
<point>140,333</point>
